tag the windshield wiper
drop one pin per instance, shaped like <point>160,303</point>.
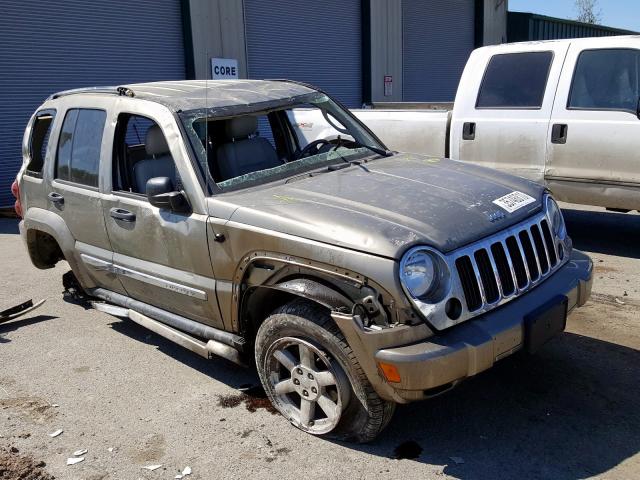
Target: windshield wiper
<point>379,151</point>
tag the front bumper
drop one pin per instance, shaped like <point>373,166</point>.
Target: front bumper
<point>432,365</point>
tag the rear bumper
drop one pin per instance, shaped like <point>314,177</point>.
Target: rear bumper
<point>431,366</point>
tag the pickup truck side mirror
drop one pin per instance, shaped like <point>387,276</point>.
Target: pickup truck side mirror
<point>161,194</point>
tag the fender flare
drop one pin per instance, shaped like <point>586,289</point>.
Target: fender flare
<point>49,222</point>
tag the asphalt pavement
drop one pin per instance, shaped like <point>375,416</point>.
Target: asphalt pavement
<point>134,400</point>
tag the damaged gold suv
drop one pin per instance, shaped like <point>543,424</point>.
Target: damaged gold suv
<point>356,277</point>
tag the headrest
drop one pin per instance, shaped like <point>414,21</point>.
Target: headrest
<point>155,143</point>
<point>240,127</point>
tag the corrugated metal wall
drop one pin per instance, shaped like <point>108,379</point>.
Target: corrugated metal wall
<point>438,36</point>
<point>522,26</point>
<point>51,46</point>
<point>315,42</point>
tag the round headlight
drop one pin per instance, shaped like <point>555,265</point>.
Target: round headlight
<point>556,218</point>
<point>418,273</point>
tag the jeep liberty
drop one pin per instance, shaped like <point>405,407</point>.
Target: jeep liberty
<point>356,277</point>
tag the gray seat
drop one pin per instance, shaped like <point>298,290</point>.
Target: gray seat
<point>160,163</point>
<point>242,154</point>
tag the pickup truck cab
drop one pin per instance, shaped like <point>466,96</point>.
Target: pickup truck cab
<point>356,278</point>
<point>562,112</point>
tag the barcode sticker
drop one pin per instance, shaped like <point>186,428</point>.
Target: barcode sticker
<point>513,201</point>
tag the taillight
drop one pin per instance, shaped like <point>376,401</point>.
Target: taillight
<point>15,190</point>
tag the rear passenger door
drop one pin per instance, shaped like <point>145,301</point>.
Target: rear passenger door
<point>596,114</point>
<point>505,125</point>
<point>161,257</point>
<point>74,193</point>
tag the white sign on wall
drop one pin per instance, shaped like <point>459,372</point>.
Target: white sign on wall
<point>224,68</point>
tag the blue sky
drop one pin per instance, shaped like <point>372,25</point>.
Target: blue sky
<point>615,13</point>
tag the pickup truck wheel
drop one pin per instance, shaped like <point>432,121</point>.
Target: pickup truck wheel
<point>313,378</point>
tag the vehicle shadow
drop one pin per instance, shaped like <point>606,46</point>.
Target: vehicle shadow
<point>603,232</point>
<point>218,369</point>
<point>9,226</point>
<point>12,325</point>
<point>569,412</point>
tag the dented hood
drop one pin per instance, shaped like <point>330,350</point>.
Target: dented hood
<point>387,205</point>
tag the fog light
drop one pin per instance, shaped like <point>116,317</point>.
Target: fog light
<point>390,372</point>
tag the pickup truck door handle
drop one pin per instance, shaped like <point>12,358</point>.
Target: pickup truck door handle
<point>469,130</point>
<point>122,214</point>
<point>55,198</point>
<point>559,133</point>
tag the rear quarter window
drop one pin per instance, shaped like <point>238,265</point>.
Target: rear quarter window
<point>515,81</point>
<point>78,158</point>
<point>38,141</point>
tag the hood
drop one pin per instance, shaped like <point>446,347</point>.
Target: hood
<point>388,205</point>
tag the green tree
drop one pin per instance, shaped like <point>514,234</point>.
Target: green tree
<point>588,11</point>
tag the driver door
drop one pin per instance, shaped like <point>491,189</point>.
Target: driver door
<point>160,256</point>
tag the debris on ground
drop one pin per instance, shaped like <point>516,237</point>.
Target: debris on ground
<point>56,433</point>
<point>79,453</point>
<point>618,301</point>
<point>185,472</point>
<point>151,468</point>
<point>18,310</point>
<point>16,466</point>
<point>74,460</point>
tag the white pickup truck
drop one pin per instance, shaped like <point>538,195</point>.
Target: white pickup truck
<point>564,113</point>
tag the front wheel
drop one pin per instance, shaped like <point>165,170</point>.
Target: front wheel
<point>313,378</point>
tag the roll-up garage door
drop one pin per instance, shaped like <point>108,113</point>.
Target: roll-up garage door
<point>314,42</point>
<point>438,36</point>
<point>51,46</point>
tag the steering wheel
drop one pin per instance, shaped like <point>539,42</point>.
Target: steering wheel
<point>313,148</point>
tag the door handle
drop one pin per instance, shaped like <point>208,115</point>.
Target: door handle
<point>55,198</point>
<point>559,133</point>
<point>469,130</point>
<point>122,214</point>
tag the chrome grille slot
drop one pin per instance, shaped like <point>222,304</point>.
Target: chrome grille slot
<point>548,241</point>
<point>469,283</point>
<point>487,276</point>
<point>529,255</point>
<point>540,249</point>
<point>519,266</point>
<point>504,269</point>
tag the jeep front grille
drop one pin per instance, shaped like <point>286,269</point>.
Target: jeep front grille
<point>504,265</point>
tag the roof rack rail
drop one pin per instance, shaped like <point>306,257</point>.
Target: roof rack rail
<point>121,91</point>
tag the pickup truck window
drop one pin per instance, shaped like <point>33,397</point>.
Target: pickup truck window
<point>39,140</point>
<point>78,157</point>
<point>606,79</point>
<point>515,81</point>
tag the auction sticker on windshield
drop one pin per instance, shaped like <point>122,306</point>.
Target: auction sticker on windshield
<point>514,201</point>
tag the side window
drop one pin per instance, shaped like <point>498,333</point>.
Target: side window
<point>40,132</point>
<point>140,153</point>
<point>515,80</point>
<point>79,146</point>
<point>606,79</point>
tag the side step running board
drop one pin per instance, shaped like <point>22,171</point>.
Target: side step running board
<point>173,327</point>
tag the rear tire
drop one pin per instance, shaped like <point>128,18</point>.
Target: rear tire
<point>313,378</point>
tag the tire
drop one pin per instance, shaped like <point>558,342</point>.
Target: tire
<point>299,342</point>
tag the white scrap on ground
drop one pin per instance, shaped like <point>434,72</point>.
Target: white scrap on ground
<point>185,472</point>
<point>151,468</point>
<point>56,433</point>
<point>79,453</point>
<point>74,460</point>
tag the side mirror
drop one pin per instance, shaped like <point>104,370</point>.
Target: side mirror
<point>161,194</point>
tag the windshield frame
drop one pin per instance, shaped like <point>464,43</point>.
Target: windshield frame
<point>198,152</point>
